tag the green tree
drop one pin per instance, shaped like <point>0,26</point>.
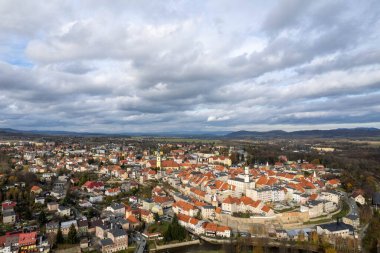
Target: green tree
<point>72,236</point>
<point>60,238</point>
<point>156,217</point>
<point>175,231</point>
<point>42,218</point>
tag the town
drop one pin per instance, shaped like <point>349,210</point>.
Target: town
<point>135,196</point>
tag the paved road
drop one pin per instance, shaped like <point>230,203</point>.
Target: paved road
<point>141,243</point>
<point>354,209</point>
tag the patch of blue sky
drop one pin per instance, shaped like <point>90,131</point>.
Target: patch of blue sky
<point>13,52</point>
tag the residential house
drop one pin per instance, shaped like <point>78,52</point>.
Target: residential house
<point>113,191</point>
<point>359,198</point>
<point>65,226</point>
<point>117,240</point>
<point>352,220</point>
<point>63,211</point>
<point>335,229</point>
<point>9,216</point>
<point>36,189</point>
<point>117,209</point>
<point>52,227</point>
<point>52,206</point>
<point>82,227</point>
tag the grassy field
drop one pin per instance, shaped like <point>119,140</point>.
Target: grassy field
<point>158,227</point>
<point>345,210</point>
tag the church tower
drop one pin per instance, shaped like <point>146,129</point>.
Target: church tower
<point>158,159</point>
<point>214,201</point>
<point>315,177</point>
<point>246,175</point>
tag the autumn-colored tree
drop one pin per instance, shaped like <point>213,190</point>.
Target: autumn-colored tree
<point>314,238</point>
<point>365,214</point>
<point>316,161</point>
<point>258,249</point>
<point>330,250</point>
<point>301,236</point>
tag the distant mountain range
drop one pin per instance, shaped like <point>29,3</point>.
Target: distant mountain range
<point>184,134</point>
<point>334,133</point>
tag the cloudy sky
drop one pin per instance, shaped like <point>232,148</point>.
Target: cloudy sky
<point>138,66</point>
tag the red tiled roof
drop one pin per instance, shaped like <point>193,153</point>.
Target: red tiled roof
<point>132,219</point>
<point>35,188</point>
<point>262,180</point>
<point>266,208</point>
<point>27,238</point>
<point>184,205</point>
<point>333,181</point>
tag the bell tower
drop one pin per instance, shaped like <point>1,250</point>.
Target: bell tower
<point>158,159</point>
<point>246,175</point>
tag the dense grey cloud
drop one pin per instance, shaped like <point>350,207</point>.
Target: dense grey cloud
<point>127,66</point>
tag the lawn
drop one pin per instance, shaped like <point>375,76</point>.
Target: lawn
<point>158,227</point>
<point>345,210</point>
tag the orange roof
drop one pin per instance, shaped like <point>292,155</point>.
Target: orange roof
<point>266,208</point>
<point>199,203</point>
<point>231,200</point>
<point>27,238</point>
<point>117,189</point>
<point>313,196</point>
<point>35,188</point>
<point>262,180</point>
<point>193,221</point>
<point>152,172</point>
<point>132,219</point>
<point>334,181</point>
<point>271,181</point>
<point>184,205</point>
<point>183,217</point>
<point>159,199</point>
<point>222,228</point>
<point>198,192</point>
<point>246,200</point>
<point>169,163</point>
<point>144,212</point>
<point>210,226</point>
<point>255,204</point>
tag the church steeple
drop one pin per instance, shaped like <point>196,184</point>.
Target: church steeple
<point>214,200</point>
<point>158,158</point>
<point>246,175</point>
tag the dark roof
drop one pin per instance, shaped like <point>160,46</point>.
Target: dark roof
<point>237,179</point>
<point>336,226</point>
<point>352,217</point>
<point>82,223</point>
<point>116,206</point>
<point>96,222</point>
<point>106,242</point>
<point>116,232</point>
<point>9,212</point>
<point>376,198</point>
<point>52,224</point>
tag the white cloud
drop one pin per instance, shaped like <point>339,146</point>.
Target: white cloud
<point>157,66</point>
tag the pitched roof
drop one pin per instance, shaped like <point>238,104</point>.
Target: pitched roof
<point>27,238</point>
